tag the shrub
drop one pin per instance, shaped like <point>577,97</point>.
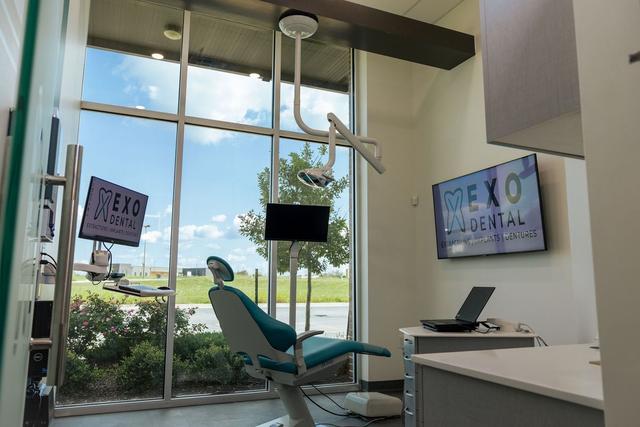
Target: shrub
<point>206,358</point>
<point>142,370</point>
<point>78,373</point>
<point>185,346</point>
<point>91,319</point>
<point>116,345</point>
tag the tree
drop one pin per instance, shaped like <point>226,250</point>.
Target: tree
<point>314,257</point>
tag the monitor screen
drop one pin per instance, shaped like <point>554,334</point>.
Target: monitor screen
<point>113,213</point>
<point>493,211</point>
<point>302,223</point>
<point>474,304</point>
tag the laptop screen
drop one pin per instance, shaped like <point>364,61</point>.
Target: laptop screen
<point>474,304</point>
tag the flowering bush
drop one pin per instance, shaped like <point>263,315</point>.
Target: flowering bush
<point>120,345</point>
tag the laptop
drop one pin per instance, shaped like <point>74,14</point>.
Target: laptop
<point>467,317</point>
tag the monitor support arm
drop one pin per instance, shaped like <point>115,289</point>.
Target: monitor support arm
<point>294,252</point>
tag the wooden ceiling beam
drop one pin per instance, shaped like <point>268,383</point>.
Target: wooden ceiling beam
<point>352,25</point>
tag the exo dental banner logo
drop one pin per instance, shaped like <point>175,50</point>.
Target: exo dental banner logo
<point>113,213</point>
<point>104,197</point>
<point>491,211</point>
<point>453,202</point>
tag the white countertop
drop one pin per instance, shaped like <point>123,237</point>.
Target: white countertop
<point>561,372</point>
<point>421,331</point>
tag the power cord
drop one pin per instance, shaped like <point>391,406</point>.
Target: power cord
<point>53,260</point>
<point>348,413</point>
<point>108,249</point>
<point>329,397</point>
<point>541,342</point>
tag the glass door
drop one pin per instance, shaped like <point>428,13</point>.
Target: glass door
<point>36,83</point>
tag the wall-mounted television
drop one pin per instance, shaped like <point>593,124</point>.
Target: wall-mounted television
<point>496,210</point>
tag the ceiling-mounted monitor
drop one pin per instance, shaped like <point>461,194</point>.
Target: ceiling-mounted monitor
<point>496,210</point>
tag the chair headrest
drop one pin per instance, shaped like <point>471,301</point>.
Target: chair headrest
<point>221,270</point>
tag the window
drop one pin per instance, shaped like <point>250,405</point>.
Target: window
<point>210,155</point>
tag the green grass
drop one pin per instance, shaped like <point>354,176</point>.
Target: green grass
<point>194,290</point>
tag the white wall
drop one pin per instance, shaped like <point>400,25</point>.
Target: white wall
<point>607,32</point>
<point>432,127</point>
<point>537,288</point>
<point>386,220</point>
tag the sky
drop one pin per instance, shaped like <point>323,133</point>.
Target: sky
<point>220,168</point>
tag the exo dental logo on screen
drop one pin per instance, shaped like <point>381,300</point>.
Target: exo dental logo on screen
<point>456,219</point>
<point>495,210</point>
<point>113,213</point>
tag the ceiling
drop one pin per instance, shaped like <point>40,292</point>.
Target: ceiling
<point>422,10</point>
<point>135,26</point>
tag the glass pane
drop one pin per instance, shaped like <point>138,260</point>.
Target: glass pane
<point>324,287</point>
<point>229,74</point>
<point>116,345</point>
<point>130,60</point>
<point>225,179</point>
<point>326,84</point>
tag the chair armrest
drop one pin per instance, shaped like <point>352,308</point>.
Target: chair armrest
<point>307,334</point>
<point>297,349</point>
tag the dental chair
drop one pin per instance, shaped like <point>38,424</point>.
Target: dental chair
<point>273,351</point>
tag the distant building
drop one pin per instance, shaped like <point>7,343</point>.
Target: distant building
<point>127,269</point>
<point>136,270</point>
<point>196,271</point>
<point>157,272</point>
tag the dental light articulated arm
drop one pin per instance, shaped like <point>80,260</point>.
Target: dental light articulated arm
<point>356,141</point>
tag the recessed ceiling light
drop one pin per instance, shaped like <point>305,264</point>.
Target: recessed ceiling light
<point>255,76</point>
<point>157,55</point>
<point>172,32</point>
<point>141,107</point>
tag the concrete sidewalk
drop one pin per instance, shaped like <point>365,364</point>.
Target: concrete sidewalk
<point>328,317</point>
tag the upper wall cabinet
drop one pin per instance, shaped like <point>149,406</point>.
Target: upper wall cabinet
<point>532,98</point>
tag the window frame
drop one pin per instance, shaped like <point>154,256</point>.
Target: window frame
<point>182,120</point>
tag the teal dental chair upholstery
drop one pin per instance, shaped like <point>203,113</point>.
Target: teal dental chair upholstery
<point>272,350</point>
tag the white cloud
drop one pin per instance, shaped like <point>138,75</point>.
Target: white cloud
<point>219,218</point>
<point>151,236</point>
<point>314,105</point>
<point>207,231</point>
<point>236,258</point>
<point>151,83</point>
<point>226,96</point>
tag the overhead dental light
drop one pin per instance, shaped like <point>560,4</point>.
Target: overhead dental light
<point>301,25</point>
<point>294,22</point>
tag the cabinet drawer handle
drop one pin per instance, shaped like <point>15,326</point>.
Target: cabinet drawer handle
<point>408,411</point>
<point>409,377</point>
<point>407,358</point>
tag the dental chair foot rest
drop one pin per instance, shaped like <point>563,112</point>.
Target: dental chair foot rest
<point>373,404</point>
